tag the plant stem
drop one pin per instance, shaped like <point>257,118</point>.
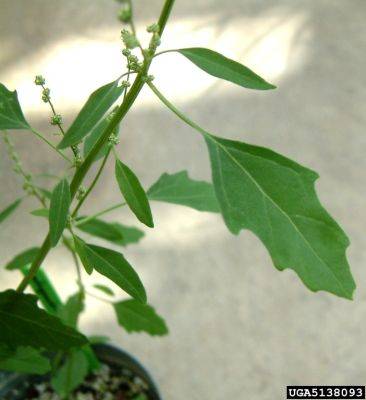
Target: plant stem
<point>175,110</point>
<point>98,214</point>
<point>85,166</point>
<point>95,180</point>
<point>74,149</point>
<point>51,145</point>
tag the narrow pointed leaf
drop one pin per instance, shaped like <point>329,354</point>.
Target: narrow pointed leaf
<point>114,232</point>
<point>44,289</point>
<point>116,268</point>
<point>40,212</point>
<point>180,189</point>
<point>25,360</point>
<point>11,115</point>
<point>101,229</point>
<point>93,137</point>
<point>70,311</point>
<point>9,210</point>
<point>275,198</point>
<point>137,317</point>
<point>104,289</point>
<point>222,67</point>
<point>133,193</point>
<point>23,323</point>
<point>130,234</point>
<point>59,210</point>
<point>24,258</point>
<point>93,110</point>
<point>80,250</point>
<point>71,374</point>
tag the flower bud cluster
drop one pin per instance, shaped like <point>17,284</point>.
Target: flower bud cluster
<point>56,119</point>
<point>129,39</point>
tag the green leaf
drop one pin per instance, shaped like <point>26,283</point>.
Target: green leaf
<point>133,193</point>
<point>70,311</point>
<point>41,212</point>
<point>80,250</point>
<point>105,289</point>
<point>137,317</point>
<point>101,229</point>
<point>219,66</point>
<point>95,134</point>
<point>59,210</point>
<point>9,210</point>
<point>275,198</point>
<point>24,258</point>
<point>44,289</point>
<point>11,115</point>
<point>130,234</point>
<point>94,109</point>
<point>116,268</point>
<point>23,323</point>
<point>180,189</point>
<point>71,374</point>
<point>24,360</point>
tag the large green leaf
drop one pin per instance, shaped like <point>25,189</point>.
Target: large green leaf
<point>71,374</point>
<point>23,323</point>
<point>70,311</point>
<point>11,115</point>
<point>101,229</point>
<point>116,268</point>
<point>180,189</point>
<point>275,198</point>
<point>59,210</point>
<point>24,360</point>
<point>133,193</point>
<point>93,110</point>
<point>137,317</point>
<point>9,210</point>
<point>24,258</point>
<point>219,66</point>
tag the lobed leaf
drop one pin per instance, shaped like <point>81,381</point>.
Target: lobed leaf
<point>133,193</point>
<point>59,210</point>
<point>180,189</point>
<point>23,323</point>
<point>9,210</point>
<point>11,115</point>
<point>93,110</point>
<point>116,268</point>
<point>275,198</point>
<point>222,67</point>
<point>137,317</point>
<point>25,360</point>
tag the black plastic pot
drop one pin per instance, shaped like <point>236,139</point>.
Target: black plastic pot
<point>107,354</point>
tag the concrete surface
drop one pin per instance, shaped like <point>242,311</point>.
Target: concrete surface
<point>239,329</point>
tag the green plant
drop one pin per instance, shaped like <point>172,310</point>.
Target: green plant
<point>253,188</point>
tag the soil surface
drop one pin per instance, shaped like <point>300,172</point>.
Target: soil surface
<point>106,384</point>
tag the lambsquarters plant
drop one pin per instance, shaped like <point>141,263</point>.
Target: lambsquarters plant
<point>252,188</point>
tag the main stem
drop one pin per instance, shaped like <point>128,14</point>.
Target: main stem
<point>85,166</point>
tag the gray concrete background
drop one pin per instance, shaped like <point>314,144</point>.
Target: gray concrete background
<point>238,328</point>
